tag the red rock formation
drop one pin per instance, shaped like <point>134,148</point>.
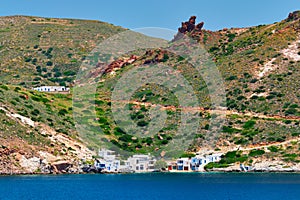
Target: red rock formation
<point>199,26</point>
<point>189,27</point>
<point>294,16</point>
<point>154,56</point>
<point>103,68</point>
<point>120,63</point>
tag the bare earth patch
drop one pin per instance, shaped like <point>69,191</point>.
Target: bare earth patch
<point>267,67</point>
<point>292,51</point>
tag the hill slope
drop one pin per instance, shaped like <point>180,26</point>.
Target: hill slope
<point>36,51</point>
<point>260,67</point>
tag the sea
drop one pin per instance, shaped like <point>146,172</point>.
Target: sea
<point>152,186</point>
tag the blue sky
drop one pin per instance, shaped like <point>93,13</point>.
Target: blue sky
<point>216,14</point>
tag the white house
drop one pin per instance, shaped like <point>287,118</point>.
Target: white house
<point>183,164</point>
<point>214,157</point>
<point>107,161</point>
<point>196,163</point>
<point>136,163</point>
<point>140,163</point>
<point>106,154</point>
<point>52,89</point>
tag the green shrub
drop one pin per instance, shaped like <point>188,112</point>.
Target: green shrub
<point>17,89</point>
<point>35,112</point>
<point>69,73</point>
<point>142,123</point>
<point>254,80</point>
<point>291,111</point>
<point>273,149</point>
<point>231,78</point>
<point>118,131</point>
<point>249,124</point>
<point>295,134</point>
<point>229,129</point>
<point>62,112</point>
<point>233,157</point>
<point>215,165</point>
<point>40,99</point>
<point>290,157</point>
<point>256,152</point>
<point>49,63</point>
<point>126,138</point>
<point>4,87</point>
<point>212,49</point>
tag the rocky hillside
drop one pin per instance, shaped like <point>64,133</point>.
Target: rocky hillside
<point>37,132</point>
<point>260,69</point>
<point>259,65</point>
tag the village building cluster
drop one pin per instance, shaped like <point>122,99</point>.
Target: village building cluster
<point>108,162</point>
<point>196,163</point>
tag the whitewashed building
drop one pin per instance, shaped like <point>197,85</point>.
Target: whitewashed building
<point>107,161</point>
<point>140,163</point>
<point>107,154</point>
<point>183,164</point>
<point>52,89</point>
<point>196,163</point>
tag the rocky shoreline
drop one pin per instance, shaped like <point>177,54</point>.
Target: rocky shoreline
<point>255,171</point>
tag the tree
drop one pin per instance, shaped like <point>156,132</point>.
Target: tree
<point>160,164</point>
<point>49,63</point>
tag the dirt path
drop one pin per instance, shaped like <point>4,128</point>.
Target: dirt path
<point>259,146</point>
<point>217,111</point>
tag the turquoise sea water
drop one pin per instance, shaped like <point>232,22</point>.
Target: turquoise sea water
<point>152,186</point>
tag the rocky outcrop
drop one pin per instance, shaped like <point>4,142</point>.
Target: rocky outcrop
<point>155,56</point>
<point>189,27</point>
<point>294,16</point>
<point>120,63</point>
<point>103,68</point>
<point>62,167</point>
